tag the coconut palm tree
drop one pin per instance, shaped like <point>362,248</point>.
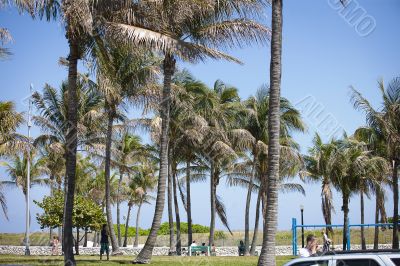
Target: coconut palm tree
<point>267,256</point>
<point>16,166</point>
<point>257,124</point>
<point>190,31</point>
<point>10,120</point>
<point>122,77</point>
<point>386,123</point>
<point>377,145</point>
<point>318,166</point>
<point>143,182</point>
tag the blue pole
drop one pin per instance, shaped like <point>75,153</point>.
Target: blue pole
<point>348,234</point>
<point>294,236</point>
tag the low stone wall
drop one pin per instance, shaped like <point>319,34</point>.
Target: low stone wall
<point>158,251</point>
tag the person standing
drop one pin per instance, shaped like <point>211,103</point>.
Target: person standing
<point>104,244</point>
<point>54,246</point>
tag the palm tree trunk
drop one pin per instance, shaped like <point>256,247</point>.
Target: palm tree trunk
<point>395,243</point>
<point>177,216</point>
<point>256,222</point>
<point>188,203</point>
<point>345,209</point>
<point>70,151</point>
<point>118,209</point>
<point>376,232</point>
<point>114,243</point>
<point>172,248</point>
<point>267,256</point>
<point>127,226</point>
<point>137,225</point>
<point>327,204</point>
<point>213,205</point>
<point>169,69</point>
<point>247,210</point>
<point>363,242</point>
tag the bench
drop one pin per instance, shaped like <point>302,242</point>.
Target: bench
<point>195,249</point>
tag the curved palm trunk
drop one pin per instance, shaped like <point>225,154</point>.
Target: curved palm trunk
<point>177,216</point>
<point>256,222</point>
<point>395,239</point>
<point>172,248</point>
<point>363,242</point>
<point>118,209</point>
<point>70,156</point>
<point>169,69</point>
<point>247,210</point>
<point>213,205</point>
<point>345,209</point>
<point>114,243</point>
<point>188,203</point>
<point>267,256</point>
<point>376,232</point>
<point>127,225</point>
<point>137,224</point>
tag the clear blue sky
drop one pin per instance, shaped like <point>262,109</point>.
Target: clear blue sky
<point>322,56</point>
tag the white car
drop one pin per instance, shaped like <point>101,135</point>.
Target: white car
<point>352,258</point>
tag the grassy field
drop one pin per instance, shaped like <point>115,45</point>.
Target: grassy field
<point>120,260</point>
<point>282,238</point>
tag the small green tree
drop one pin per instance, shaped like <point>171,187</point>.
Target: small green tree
<point>86,214</point>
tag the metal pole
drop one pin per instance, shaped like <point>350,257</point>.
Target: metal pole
<point>28,178</point>
<point>302,228</point>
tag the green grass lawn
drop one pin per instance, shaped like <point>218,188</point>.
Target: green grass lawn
<point>120,260</point>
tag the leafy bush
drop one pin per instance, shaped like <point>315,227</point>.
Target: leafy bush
<point>164,229</point>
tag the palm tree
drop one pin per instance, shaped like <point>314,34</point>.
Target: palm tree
<point>10,141</point>
<point>10,120</point>
<point>267,256</point>
<point>377,145</point>
<point>386,123</point>
<point>122,77</point>
<point>140,185</point>
<point>257,124</point>
<point>16,166</point>
<point>127,146</point>
<point>318,167</point>
<point>190,30</point>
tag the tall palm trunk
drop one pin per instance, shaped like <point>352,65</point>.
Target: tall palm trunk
<point>86,238</point>
<point>188,203</point>
<point>177,216</point>
<point>395,243</point>
<point>119,208</point>
<point>326,195</point>
<point>256,222</point>
<point>267,256</point>
<point>213,204</point>
<point>172,248</point>
<point>345,209</point>
<point>114,243</point>
<point>247,210</point>
<point>127,225</point>
<point>169,69</point>
<point>70,151</point>
<point>363,242</point>
<point>137,224</point>
<point>376,232</point>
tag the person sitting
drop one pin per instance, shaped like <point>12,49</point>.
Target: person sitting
<point>203,252</point>
<point>241,248</point>
<point>213,252</point>
<point>311,247</point>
